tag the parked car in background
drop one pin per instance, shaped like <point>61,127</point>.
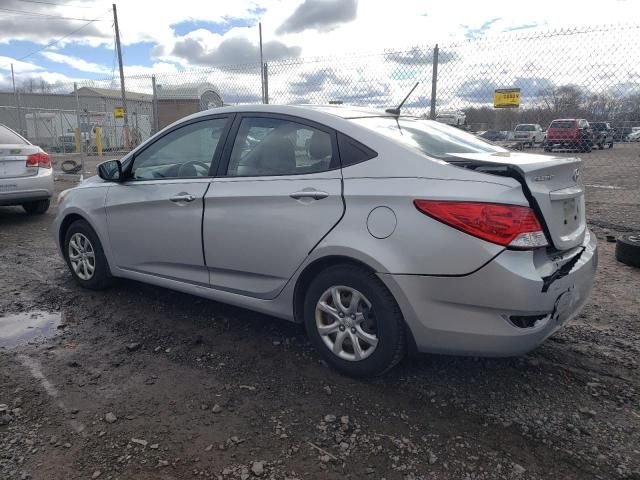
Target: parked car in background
<point>455,118</point>
<point>571,133</point>
<point>528,134</point>
<point>634,136</point>
<point>621,134</point>
<point>26,176</point>
<point>392,234</point>
<point>602,134</point>
<point>495,135</point>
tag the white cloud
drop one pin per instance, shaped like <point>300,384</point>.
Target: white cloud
<point>18,66</point>
<point>75,62</point>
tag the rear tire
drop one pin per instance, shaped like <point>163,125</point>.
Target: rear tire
<point>85,257</point>
<point>376,317</point>
<point>37,207</point>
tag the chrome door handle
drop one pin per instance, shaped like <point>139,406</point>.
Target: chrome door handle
<point>183,197</point>
<point>315,194</point>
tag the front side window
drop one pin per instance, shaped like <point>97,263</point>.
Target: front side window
<point>430,138</point>
<point>272,146</point>
<point>183,153</point>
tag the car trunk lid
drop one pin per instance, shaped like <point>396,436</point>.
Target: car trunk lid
<point>13,161</point>
<point>553,185</point>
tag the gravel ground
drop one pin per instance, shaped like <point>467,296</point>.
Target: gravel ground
<point>139,382</point>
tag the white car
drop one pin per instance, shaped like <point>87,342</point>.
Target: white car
<point>456,118</point>
<point>381,233</point>
<point>26,176</point>
<point>528,133</point>
<point>634,136</point>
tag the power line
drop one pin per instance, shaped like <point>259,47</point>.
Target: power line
<point>8,16</point>
<point>57,4</point>
<point>37,14</point>
<point>62,38</point>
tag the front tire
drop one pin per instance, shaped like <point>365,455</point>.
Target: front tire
<point>85,257</point>
<point>354,322</point>
<point>37,207</point>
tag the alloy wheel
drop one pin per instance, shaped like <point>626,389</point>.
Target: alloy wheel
<point>82,256</point>
<point>346,323</point>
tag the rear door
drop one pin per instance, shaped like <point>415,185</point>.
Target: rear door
<point>155,217</point>
<point>279,194</point>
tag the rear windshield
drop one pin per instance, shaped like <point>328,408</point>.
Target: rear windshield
<point>431,138</point>
<point>525,128</point>
<point>598,125</point>
<point>563,124</point>
<point>9,137</point>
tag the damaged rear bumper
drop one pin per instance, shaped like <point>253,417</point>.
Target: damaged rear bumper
<point>506,308</point>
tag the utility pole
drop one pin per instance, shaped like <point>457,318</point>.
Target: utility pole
<point>261,61</point>
<point>122,89</point>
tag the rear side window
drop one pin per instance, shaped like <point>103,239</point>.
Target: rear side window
<point>563,124</point>
<point>266,146</point>
<point>352,151</point>
<point>9,137</point>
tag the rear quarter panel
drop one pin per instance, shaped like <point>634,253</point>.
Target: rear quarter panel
<point>418,244</point>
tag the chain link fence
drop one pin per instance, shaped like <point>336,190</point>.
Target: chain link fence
<point>591,73</point>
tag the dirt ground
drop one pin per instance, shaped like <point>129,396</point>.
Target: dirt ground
<point>139,382</point>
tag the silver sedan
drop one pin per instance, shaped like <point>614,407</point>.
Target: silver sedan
<point>26,176</point>
<point>381,233</point>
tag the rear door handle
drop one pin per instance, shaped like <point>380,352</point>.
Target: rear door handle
<point>315,194</point>
<point>183,197</point>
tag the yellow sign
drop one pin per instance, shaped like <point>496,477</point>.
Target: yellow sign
<point>118,112</point>
<point>506,98</point>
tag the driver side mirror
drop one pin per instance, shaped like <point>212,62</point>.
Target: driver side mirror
<point>111,171</point>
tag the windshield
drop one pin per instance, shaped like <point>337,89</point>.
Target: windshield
<point>431,138</point>
<point>525,128</point>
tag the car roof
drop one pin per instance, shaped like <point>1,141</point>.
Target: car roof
<point>312,112</point>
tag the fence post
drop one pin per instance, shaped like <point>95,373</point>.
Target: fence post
<point>266,83</point>
<point>79,141</point>
<point>154,105</point>
<point>434,83</point>
<point>17,99</point>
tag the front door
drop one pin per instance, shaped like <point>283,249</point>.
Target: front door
<point>279,195</point>
<point>155,217</point>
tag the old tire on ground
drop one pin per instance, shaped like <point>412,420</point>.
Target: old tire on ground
<point>70,166</point>
<point>363,337</point>
<point>37,207</point>
<point>628,249</point>
<point>85,257</point>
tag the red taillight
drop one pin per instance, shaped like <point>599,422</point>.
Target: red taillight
<point>507,225</point>
<point>39,160</point>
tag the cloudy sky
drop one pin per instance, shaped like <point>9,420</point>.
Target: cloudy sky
<point>159,36</point>
<point>173,36</point>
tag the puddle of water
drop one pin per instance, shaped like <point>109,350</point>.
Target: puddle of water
<point>21,328</point>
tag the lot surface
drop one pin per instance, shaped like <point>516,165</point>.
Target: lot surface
<point>198,389</point>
